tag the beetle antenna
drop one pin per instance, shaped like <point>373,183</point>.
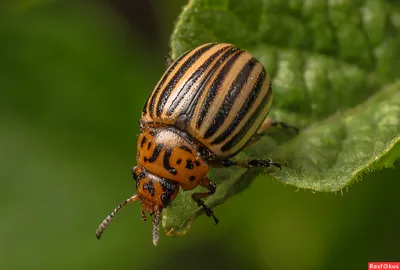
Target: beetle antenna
<point>156,222</point>
<point>103,225</point>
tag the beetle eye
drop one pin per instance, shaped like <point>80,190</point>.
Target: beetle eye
<point>166,199</point>
<point>134,175</point>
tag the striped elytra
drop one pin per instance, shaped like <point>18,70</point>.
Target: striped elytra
<point>217,93</point>
<point>210,103</point>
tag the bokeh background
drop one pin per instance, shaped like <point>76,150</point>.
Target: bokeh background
<point>74,76</point>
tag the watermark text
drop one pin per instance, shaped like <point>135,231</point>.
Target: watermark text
<point>383,265</point>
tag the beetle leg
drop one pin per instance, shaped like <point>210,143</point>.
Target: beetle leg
<point>211,186</point>
<point>250,163</point>
<point>269,123</point>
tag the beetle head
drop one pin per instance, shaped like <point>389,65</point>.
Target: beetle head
<point>155,194</point>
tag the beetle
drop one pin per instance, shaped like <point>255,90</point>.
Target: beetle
<point>211,103</point>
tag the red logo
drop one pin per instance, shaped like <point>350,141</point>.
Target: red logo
<point>383,265</point>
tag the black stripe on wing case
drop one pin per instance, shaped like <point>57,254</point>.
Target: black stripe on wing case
<point>190,108</point>
<point>239,136</point>
<point>215,86</point>
<point>152,98</point>
<point>230,97</point>
<point>244,110</point>
<point>178,75</point>
<point>192,80</point>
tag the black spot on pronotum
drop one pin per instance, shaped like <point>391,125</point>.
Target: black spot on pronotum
<point>166,164</point>
<point>189,164</point>
<point>192,178</point>
<point>179,161</point>
<point>143,141</point>
<point>149,186</point>
<point>148,146</point>
<point>185,148</point>
<point>156,153</point>
<point>197,162</point>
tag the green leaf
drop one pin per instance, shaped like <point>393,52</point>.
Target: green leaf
<point>334,68</point>
<point>18,6</point>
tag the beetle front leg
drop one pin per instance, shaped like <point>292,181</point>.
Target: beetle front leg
<point>211,186</point>
<point>250,163</point>
<point>268,124</point>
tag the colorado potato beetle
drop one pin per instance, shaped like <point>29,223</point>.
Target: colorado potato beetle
<point>211,103</point>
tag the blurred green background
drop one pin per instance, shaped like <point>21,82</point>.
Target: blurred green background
<point>73,79</point>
